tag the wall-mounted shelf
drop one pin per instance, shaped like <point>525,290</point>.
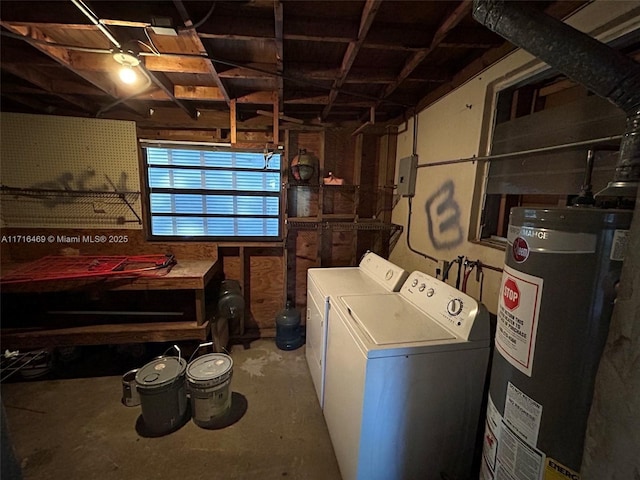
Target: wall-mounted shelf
<point>48,207</point>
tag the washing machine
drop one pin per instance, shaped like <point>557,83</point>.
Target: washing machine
<point>404,381</point>
<point>374,274</point>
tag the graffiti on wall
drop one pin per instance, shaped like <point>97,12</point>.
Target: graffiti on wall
<point>443,217</point>
<point>83,182</point>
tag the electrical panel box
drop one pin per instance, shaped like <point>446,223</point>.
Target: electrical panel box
<point>407,176</point>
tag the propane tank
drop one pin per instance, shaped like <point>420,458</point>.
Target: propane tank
<point>288,331</point>
<point>556,298</point>
<point>230,309</point>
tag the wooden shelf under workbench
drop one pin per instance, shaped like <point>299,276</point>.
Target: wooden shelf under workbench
<point>195,275</point>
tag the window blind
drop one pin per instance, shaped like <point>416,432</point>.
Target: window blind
<point>213,193</point>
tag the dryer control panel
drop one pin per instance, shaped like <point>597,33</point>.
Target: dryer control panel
<point>383,271</point>
<point>456,311</point>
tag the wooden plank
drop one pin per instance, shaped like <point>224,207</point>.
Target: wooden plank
<point>278,24</point>
<point>266,284</point>
<point>176,64</point>
<point>193,35</point>
<point>198,92</point>
<point>251,71</point>
<point>245,275</point>
<point>233,120</point>
<point>416,59</point>
<point>137,244</point>
<point>63,57</point>
<point>276,120</point>
<point>185,275</point>
<point>261,98</point>
<point>28,101</point>
<point>162,82</point>
<point>368,14</point>
<point>206,135</point>
<point>281,116</point>
<point>105,334</point>
<point>38,79</point>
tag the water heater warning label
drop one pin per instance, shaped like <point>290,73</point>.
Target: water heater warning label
<point>518,310</point>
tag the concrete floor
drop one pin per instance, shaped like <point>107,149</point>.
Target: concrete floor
<point>78,429</point>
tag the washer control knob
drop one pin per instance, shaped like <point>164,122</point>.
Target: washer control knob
<point>430,292</point>
<point>415,282</point>
<point>454,307</point>
<point>389,274</point>
<point>422,287</point>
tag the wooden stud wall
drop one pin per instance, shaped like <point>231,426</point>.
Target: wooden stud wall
<point>261,269</point>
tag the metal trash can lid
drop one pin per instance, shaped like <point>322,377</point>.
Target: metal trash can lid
<point>160,372</point>
<point>214,368</point>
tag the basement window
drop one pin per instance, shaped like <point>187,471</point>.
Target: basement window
<point>542,111</point>
<point>217,193</point>
<point>538,115</point>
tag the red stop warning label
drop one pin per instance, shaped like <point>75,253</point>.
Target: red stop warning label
<point>511,294</point>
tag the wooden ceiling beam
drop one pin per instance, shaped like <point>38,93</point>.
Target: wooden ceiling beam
<point>366,20</point>
<point>416,59</point>
<point>198,92</point>
<point>317,100</point>
<point>29,101</point>
<point>281,116</point>
<point>257,98</point>
<point>278,13</point>
<point>252,71</point>
<point>165,85</point>
<point>64,57</point>
<point>213,94</point>
<point>36,78</point>
<point>191,32</point>
<point>176,64</point>
<point>56,85</point>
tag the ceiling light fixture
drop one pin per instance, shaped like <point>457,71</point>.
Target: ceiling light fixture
<point>128,61</point>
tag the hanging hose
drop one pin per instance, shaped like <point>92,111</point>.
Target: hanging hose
<point>459,262</point>
<point>468,268</point>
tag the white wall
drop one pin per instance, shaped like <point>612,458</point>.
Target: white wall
<point>451,128</point>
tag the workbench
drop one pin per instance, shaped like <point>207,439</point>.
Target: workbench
<point>191,277</point>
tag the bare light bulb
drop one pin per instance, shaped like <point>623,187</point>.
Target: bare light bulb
<point>127,75</point>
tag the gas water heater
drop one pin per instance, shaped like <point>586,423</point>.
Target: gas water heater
<point>558,289</point>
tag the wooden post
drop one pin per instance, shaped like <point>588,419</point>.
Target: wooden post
<point>232,113</point>
<point>276,120</point>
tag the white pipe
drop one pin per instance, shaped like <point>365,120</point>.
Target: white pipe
<point>96,21</point>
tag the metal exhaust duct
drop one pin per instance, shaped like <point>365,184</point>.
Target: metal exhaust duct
<point>600,68</point>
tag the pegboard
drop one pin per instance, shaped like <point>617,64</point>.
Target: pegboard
<point>50,156</point>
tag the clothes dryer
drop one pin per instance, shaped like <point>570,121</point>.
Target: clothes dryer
<point>374,274</point>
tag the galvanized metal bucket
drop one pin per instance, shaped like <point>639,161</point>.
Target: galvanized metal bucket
<point>163,398</point>
<point>209,381</point>
<point>130,396</point>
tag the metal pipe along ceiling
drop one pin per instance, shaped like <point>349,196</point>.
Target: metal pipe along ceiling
<point>600,68</point>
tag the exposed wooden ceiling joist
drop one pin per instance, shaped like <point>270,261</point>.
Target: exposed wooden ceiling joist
<point>191,32</point>
<point>30,102</point>
<point>278,13</point>
<point>416,59</point>
<point>238,51</point>
<point>63,57</point>
<point>368,14</point>
<point>34,77</point>
<point>164,84</point>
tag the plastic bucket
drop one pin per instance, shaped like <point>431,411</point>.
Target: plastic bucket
<point>209,379</point>
<point>163,398</point>
<point>130,396</point>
